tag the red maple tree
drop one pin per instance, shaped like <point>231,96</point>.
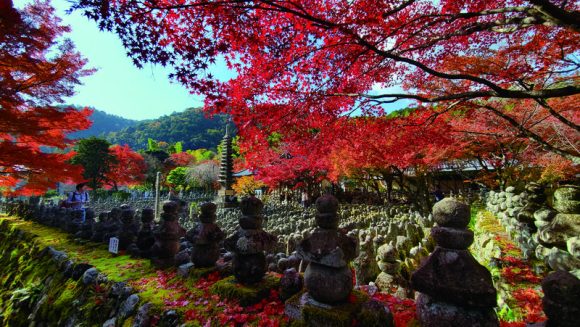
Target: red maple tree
<point>37,69</point>
<point>128,168</point>
<point>302,57</point>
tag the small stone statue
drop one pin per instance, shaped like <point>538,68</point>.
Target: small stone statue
<point>86,229</point>
<point>328,277</point>
<point>561,305</point>
<point>206,237</point>
<point>129,229</point>
<point>249,243</point>
<point>167,236</point>
<point>455,290</point>
<point>145,239</point>
<point>112,225</point>
<point>99,227</point>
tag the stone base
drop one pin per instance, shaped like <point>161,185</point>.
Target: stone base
<point>433,313</point>
<point>245,294</point>
<point>303,310</point>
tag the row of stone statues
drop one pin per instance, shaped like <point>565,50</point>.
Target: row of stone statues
<point>453,289</point>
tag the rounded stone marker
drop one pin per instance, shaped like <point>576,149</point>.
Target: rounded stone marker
<point>451,213</point>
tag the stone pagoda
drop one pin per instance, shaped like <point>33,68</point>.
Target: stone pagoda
<point>226,175</point>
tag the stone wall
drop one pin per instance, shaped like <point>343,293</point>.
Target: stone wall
<point>544,229</point>
<point>44,287</point>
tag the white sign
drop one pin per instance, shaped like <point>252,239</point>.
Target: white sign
<point>114,245</point>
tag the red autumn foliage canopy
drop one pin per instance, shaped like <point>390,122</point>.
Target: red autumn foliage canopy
<point>304,66</point>
<point>37,68</point>
<point>128,169</point>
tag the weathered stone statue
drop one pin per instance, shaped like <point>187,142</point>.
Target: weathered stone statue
<point>249,243</point>
<point>455,290</point>
<point>112,225</point>
<point>206,237</point>
<point>328,277</point>
<point>86,229</point>
<point>389,280</point>
<point>145,238</point>
<point>561,305</point>
<point>167,236</point>
<point>129,229</point>
<point>99,227</point>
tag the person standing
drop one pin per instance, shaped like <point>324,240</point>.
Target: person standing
<point>304,199</point>
<point>79,198</point>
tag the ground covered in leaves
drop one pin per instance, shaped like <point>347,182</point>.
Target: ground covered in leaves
<point>198,305</point>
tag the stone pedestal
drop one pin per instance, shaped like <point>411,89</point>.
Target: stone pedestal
<point>304,310</point>
<point>455,290</point>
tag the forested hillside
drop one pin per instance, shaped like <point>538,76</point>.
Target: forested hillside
<point>103,123</point>
<point>191,127</point>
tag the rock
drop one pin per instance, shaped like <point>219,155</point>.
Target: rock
<point>452,238</point>
<point>451,213</point>
<point>169,318</point>
<point>111,322</point>
<point>561,305</point>
<point>183,270</point>
<point>79,270</point>
<point>328,284</point>
<point>559,259</point>
<point>567,199</point>
<point>90,276</point>
<point>142,318</point>
<point>128,306</point>
<point>437,314</point>
<point>562,227</point>
<point>573,246</point>
<point>456,278</point>
<point>290,284</point>
<point>375,314</point>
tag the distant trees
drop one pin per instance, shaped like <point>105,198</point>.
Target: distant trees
<point>204,175</point>
<point>128,168</point>
<point>38,67</point>
<point>94,156</point>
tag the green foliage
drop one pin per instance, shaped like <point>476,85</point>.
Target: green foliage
<point>235,148</point>
<point>93,154</point>
<point>202,154</point>
<point>121,195</point>
<point>50,193</point>
<point>177,147</point>
<point>191,127</point>
<point>177,178</point>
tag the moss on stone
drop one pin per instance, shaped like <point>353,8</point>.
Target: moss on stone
<point>338,315</point>
<point>229,288</point>
<point>197,273</point>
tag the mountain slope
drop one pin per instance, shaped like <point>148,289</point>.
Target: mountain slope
<point>103,123</point>
<point>191,127</point>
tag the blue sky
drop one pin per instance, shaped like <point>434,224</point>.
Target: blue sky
<point>118,87</point>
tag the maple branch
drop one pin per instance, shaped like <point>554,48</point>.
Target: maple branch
<point>557,115</point>
<point>574,157</point>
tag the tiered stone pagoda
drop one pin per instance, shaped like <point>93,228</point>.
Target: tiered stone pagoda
<point>455,290</point>
<point>226,175</point>
<point>249,243</point>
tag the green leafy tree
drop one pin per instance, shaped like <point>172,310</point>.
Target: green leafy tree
<point>94,156</point>
<point>201,155</point>
<point>177,178</point>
